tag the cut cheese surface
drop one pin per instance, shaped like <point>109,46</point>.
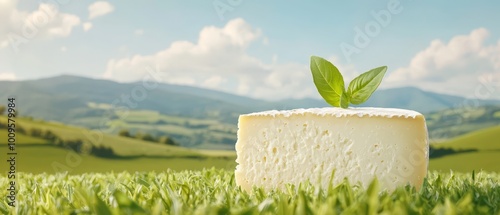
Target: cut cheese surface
<point>276,148</point>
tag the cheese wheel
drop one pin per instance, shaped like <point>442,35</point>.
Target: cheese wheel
<point>275,148</point>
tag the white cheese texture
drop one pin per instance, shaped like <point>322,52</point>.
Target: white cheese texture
<point>276,148</point>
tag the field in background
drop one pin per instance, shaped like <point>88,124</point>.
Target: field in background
<point>189,132</point>
<point>122,146</point>
<point>486,154</point>
<point>36,155</point>
<point>50,159</point>
<point>451,123</point>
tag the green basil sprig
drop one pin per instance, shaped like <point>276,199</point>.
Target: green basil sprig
<point>330,83</point>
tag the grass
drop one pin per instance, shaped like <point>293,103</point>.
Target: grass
<point>51,159</point>
<point>485,139</point>
<point>36,155</point>
<point>487,156</point>
<point>214,191</point>
<point>466,162</point>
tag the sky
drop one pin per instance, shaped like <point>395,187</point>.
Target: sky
<point>255,48</point>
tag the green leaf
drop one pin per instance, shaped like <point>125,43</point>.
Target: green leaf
<point>329,82</point>
<point>363,86</point>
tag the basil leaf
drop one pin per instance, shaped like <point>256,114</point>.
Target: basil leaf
<point>329,82</point>
<point>363,86</point>
<point>344,100</point>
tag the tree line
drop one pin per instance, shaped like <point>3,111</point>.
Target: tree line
<point>148,137</point>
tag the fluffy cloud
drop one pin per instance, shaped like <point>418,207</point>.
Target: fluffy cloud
<point>87,26</point>
<point>219,60</point>
<point>463,66</point>
<point>7,76</point>
<point>100,8</point>
<point>45,22</point>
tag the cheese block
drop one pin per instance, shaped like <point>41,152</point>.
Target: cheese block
<point>275,148</point>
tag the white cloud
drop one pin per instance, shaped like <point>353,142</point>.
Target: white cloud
<point>64,49</point>
<point>139,32</point>
<point>7,76</point>
<point>87,26</point>
<point>455,67</point>
<point>219,60</point>
<point>100,8</point>
<point>4,44</point>
<point>44,23</point>
<point>214,82</point>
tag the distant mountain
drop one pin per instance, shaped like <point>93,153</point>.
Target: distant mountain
<point>417,99</point>
<point>66,98</point>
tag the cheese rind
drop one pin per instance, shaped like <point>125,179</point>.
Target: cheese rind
<point>275,148</point>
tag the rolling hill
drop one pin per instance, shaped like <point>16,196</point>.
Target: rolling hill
<point>487,139</point>
<point>36,155</point>
<point>450,123</point>
<point>486,154</point>
<point>122,146</point>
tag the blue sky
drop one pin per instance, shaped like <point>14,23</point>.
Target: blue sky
<point>254,48</point>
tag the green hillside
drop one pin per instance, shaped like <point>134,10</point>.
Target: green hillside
<point>37,155</point>
<point>121,145</point>
<point>451,123</point>
<point>51,159</point>
<point>486,142</point>
<point>484,139</point>
<point>21,138</point>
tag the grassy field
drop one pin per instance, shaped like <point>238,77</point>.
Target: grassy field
<point>36,155</point>
<point>50,159</point>
<point>215,192</point>
<point>487,156</point>
<point>485,139</point>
